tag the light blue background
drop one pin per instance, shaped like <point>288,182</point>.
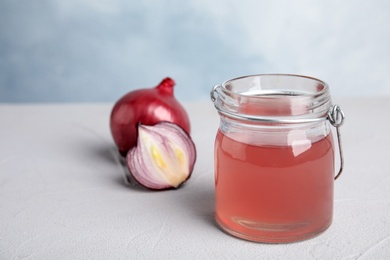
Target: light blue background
<point>96,50</point>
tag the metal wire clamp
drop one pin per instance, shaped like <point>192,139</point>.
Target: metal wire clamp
<point>336,118</point>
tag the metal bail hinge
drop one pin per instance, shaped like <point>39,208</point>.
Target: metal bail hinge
<point>336,118</point>
<point>214,93</point>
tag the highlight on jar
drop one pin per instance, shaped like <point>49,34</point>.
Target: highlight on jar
<point>275,157</point>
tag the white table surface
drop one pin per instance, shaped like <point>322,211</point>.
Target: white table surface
<point>63,195</point>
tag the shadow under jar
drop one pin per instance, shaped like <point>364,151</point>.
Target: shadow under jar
<point>275,157</point>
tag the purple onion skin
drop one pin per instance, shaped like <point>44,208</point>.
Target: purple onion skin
<point>145,168</point>
<point>147,106</point>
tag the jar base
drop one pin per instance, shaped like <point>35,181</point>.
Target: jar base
<point>262,233</point>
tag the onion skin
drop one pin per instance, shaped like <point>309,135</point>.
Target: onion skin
<point>146,106</point>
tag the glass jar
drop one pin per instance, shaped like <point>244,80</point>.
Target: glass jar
<point>275,157</point>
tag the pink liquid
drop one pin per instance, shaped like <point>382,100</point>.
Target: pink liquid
<point>269,194</point>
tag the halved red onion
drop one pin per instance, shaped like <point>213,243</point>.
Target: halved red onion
<point>163,158</point>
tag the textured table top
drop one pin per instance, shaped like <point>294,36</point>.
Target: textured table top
<point>63,194</point>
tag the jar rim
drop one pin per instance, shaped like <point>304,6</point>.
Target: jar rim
<point>323,90</point>
<point>282,98</point>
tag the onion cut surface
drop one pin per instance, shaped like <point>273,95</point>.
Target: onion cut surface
<point>163,158</point>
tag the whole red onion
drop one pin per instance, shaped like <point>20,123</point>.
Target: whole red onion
<point>146,106</point>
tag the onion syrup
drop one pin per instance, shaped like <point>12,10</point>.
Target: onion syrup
<point>273,194</point>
